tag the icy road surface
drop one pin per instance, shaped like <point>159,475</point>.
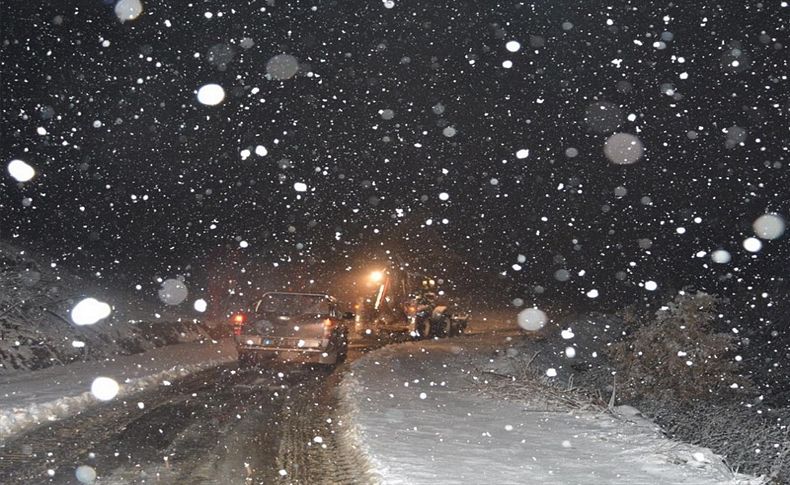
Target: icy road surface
<point>31,398</point>
<point>420,419</point>
<point>221,425</point>
<point>408,414</point>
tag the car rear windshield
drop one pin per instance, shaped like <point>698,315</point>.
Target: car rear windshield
<point>292,304</point>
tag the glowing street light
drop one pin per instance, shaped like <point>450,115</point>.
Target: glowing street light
<point>376,276</point>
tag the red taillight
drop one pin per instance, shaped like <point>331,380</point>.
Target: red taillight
<point>237,321</point>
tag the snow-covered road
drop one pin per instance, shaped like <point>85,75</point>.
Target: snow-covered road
<point>410,413</point>
<point>31,398</point>
<point>419,418</point>
<point>215,424</point>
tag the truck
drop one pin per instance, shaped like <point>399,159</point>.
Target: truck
<point>408,302</point>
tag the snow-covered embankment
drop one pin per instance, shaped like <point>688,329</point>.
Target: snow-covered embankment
<point>416,415</point>
<point>31,398</point>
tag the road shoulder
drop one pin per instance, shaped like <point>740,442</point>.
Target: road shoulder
<point>28,399</point>
<point>424,411</point>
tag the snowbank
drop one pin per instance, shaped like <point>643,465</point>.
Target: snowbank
<point>37,329</point>
<point>30,398</point>
<point>418,417</point>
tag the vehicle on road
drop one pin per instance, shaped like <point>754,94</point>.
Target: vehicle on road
<point>408,302</point>
<point>292,327</point>
<point>427,319</point>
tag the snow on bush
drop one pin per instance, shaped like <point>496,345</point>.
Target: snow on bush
<point>678,353</point>
<point>49,317</point>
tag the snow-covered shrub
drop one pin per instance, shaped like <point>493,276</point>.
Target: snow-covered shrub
<point>35,327</point>
<point>678,353</point>
<point>752,438</point>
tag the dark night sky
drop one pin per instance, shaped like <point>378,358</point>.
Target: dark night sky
<point>133,171</point>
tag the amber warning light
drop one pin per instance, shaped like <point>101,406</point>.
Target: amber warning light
<point>237,321</point>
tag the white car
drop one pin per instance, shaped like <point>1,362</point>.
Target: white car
<point>292,327</point>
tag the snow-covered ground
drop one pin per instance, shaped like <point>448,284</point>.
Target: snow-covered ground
<point>39,300</point>
<point>30,398</point>
<point>418,416</point>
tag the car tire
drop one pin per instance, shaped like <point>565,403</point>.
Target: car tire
<point>425,329</point>
<point>246,359</point>
<point>329,366</point>
<point>342,352</point>
<point>449,328</point>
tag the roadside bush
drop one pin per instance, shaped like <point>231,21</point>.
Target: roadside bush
<point>678,354</point>
<point>753,439</point>
<point>35,330</point>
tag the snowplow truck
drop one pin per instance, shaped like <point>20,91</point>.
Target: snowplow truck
<point>407,302</point>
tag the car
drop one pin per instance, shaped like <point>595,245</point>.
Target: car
<point>291,327</point>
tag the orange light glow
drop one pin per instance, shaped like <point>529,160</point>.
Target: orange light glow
<point>238,318</point>
<point>376,276</point>
<point>329,327</point>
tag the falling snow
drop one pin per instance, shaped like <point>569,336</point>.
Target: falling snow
<point>168,163</point>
